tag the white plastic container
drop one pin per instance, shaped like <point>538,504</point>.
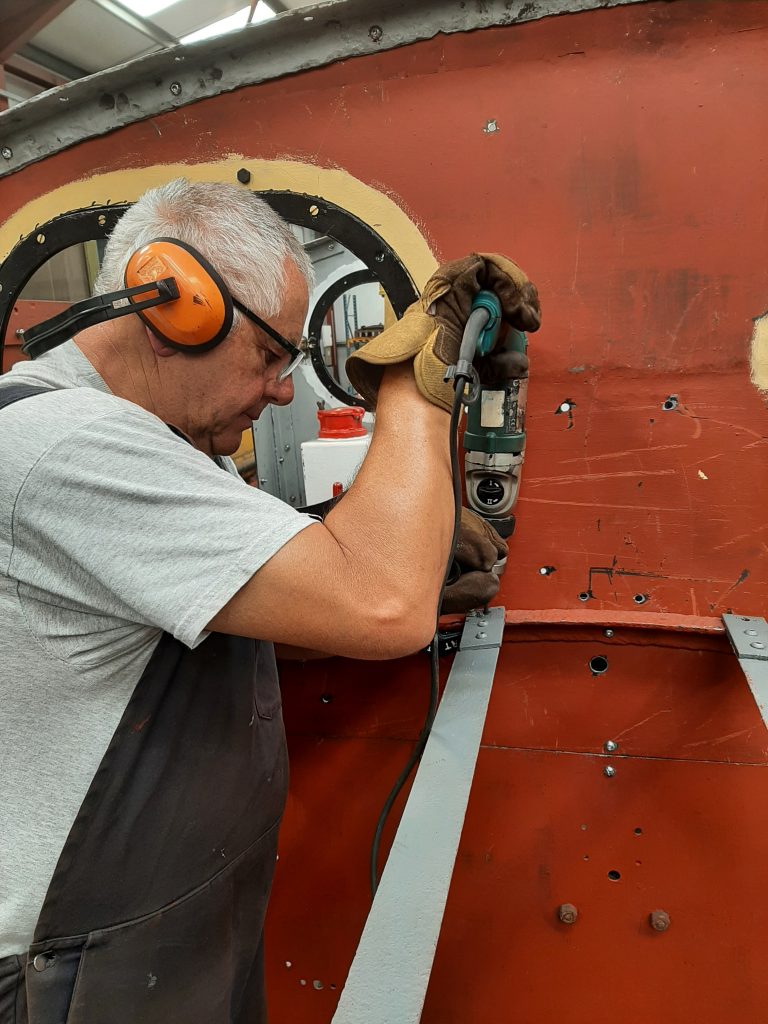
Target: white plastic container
<point>331,462</point>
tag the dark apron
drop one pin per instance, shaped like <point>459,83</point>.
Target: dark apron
<point>155,911</point>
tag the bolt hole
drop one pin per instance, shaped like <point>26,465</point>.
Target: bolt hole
<point>638,863</point>
<point>586,856</point>
<point>638,831</point>
<point>41,238</point>
<point>640,598</point>
<point>326,698</point>
<point>584,596</point>
<point>670,403</point>
<point>614,875</point>
<point>314,210</point>
<point>332,988</point>
<point>598,665</point>
<point>317,985</point>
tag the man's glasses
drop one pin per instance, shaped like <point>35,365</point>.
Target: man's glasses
<point>295,354</point>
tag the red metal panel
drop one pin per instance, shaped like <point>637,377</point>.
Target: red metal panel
<point>625,174</point>
<point>25,313</point>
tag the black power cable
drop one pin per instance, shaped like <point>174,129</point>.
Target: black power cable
<point>421,742</point>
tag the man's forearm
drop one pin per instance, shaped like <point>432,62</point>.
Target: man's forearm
<point>397,518</point>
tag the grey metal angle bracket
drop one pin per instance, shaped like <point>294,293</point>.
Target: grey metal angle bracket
<point>388,979</point>
<point>749,638</point>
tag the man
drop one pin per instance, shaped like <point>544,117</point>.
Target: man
<point>143,753</point>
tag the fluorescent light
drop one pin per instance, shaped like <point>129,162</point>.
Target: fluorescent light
<point>237,20</point>
<point>146,8</point>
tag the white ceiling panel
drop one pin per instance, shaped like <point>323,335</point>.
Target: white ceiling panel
<point>91,38</point>
<point>189,15</point>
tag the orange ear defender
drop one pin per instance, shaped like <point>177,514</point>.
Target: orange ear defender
<point>201,317</point>
<point>170,285</point>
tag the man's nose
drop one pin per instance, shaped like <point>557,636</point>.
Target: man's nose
<point>280,392</point>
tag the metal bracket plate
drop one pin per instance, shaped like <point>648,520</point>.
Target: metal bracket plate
<point>749,638</point>
<point>388,979</point>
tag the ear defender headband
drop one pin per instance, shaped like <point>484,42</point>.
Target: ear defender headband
<point>170,285</point>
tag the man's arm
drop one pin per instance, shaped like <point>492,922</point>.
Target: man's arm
<point>365,583</point>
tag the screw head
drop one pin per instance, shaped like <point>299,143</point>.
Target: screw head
<point>7,152</point>
<point>609,771</point>
<point>243,175</point>
<point>567,913</point>
<point>608,633</point>
<point>659,920</point>
<point>175,88</point>
<point>610,745</point>
<point>376,32</point>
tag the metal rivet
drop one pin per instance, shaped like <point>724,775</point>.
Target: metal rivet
<point>564,407</point>
<point>243,175</point>
<point>281,460</point>
<point>262,479</point>
<point>292,497</point>
<point>751,632</point>
<point>44,960</point>
<point>7,152</point>
<point>376,32</point>
<point>317,985</point>
<point>567,913</point>
<point>608,633</point>
<point>176,88</point>
<point>609,771</point>
<point>482,622</point>
<point>659,920</point>
<point>757,645</point>
<point>287,447</point>
<point>610,745</point>
<point>481,636</point>
<point>379,257</point>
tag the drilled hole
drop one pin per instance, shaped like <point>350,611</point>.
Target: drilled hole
<point>640,598</point>
<point>326,698</point>
<point>584,596</point>
<point>598,665</point>
<point>638,831</point>
<point>670,403</point>
<point>614,875</point>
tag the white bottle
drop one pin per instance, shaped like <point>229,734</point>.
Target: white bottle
<point>332,461</point>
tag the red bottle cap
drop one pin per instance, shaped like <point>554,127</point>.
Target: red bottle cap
<point>346,422</point>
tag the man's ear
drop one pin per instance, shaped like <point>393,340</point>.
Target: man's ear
<point>159,347</point>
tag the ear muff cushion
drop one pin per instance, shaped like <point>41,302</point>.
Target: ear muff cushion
<point>201,317</point>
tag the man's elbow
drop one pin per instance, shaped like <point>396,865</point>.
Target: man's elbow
<point>399,628</point>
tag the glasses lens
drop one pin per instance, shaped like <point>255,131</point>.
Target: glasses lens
<point>288,370</point>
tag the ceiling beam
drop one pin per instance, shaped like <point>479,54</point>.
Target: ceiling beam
<point>53,63</point>
<point>36,73</point>
<point>20,20</point>
<point>143,25</point>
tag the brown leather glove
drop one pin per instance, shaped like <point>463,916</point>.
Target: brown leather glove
<point>430,332</point>
<point>478,548</point>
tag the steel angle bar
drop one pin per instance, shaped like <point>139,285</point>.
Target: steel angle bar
<point>388,979</point>
<point>749,638</point>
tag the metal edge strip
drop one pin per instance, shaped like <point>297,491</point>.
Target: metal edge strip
<point>388,979</point>
<point>300,40</point>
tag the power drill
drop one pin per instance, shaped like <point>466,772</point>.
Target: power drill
<point>494,439</point>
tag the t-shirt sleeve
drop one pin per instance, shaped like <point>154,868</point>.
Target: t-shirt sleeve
<point>121,517</point>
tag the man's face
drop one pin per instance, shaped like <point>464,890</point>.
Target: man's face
<point>238,379</point>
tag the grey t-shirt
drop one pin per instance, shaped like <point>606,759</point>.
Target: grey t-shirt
<point>112,531</point>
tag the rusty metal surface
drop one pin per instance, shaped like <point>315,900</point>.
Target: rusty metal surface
<point>309,37</point>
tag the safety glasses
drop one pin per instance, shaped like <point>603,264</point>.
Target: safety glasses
<point>296,356</point>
